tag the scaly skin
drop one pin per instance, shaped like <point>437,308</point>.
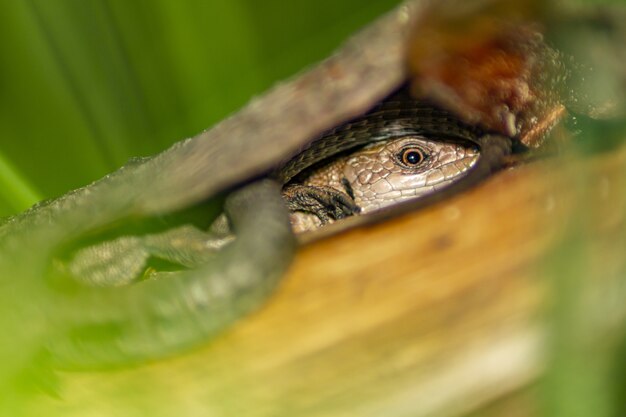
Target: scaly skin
<point>377,176</point>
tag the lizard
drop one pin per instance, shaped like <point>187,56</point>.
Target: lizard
<point>401,151</point>
<point>446,147</point>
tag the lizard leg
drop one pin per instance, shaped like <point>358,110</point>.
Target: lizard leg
<point>157,317</point>
<point>326,203</point>
<point>123,260</point>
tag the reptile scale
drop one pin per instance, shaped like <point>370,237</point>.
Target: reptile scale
<point>400,151</point>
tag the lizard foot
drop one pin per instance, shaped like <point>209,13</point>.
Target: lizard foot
<point>123,260</point>
<point>326,203</point>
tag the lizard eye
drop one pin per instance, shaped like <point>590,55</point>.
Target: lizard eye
<point>412,157</point>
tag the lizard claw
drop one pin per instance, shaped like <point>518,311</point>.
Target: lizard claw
<point>326,203</point>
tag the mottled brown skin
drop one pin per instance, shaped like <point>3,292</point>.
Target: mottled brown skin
<point>385,173</point>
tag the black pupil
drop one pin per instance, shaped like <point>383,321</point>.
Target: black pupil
<point>413,157</point>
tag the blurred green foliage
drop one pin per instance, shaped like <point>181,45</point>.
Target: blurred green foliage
<point>87,84</point>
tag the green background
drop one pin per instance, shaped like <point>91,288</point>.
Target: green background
<point>87,84</point>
